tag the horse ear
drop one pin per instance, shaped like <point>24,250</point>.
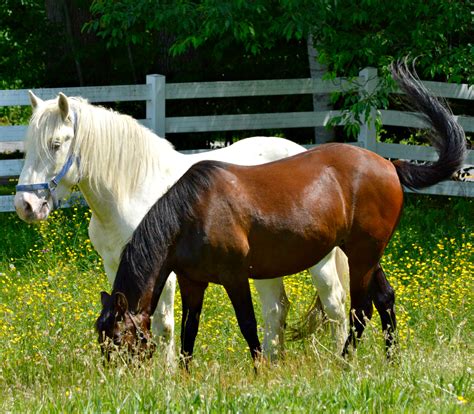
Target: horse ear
<point>34,100</point>
<point>63,106</point>
<point>120,303</point>
<point>105,299</point>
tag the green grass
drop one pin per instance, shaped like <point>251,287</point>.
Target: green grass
<point>50,279</point>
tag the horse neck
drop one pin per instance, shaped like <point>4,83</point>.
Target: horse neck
<point>159,173</point>
<point>144,298</point>
<point>162,277</point>
<point>103,204</point>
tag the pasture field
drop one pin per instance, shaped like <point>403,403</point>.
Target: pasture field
<point>50,279</point>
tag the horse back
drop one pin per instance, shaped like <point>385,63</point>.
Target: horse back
<point>282,217</point>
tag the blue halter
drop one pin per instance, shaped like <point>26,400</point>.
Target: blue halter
<point>52,185</point>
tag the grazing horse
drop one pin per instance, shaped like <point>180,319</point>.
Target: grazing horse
<point>122,168</point>
<point>224,223</point>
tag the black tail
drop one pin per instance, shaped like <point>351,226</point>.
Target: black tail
<point>446,136</point>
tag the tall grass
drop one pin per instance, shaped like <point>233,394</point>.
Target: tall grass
<point>50,279</point>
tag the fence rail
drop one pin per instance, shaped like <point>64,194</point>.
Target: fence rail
<point>156,92</point>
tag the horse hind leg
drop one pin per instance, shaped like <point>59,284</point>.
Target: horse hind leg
<point>163,322</point>
<point>275,305</point>
<point>361,312</point>
<point>384,300</point>
<point>377,292</point>
<point>363,259</point>
<point>329,278</point>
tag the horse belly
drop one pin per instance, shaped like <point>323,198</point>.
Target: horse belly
<point>276,259</point>
<point>282,255</point>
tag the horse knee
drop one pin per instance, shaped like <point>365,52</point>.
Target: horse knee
<point>273,341</point>
<point>167,330</point>
<point>272,296</point>
<point>275,314</point>
<point>163,330</point>
<point>273,326</point>
<point>275,306</point>
<point>163,326</point>
<point>163,318</point>
<point>326,279</point>
<point>333,297</point>
<point>335,309</point>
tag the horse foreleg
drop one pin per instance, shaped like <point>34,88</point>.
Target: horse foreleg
<point>163,321</point>
<point>239,293</point>
<point>275,305</point>
<point>192,296</point>
<point>384,301</point>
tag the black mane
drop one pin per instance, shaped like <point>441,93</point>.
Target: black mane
<point>150,241</point>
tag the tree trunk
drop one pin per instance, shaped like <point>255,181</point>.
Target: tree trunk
<point>70,18</point>
<point>70,36</point>
<point>321,102</point>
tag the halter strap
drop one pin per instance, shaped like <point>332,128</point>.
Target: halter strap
<point>140,334</point>
<point>51,185</point>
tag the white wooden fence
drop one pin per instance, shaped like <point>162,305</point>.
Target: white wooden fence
<point>156,92</point>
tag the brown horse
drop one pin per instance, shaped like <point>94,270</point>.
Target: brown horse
<point>224,224</point>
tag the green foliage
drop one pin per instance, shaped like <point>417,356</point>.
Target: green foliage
<point>195,23</point>
<point>25,37</point>
<point>356,106</point>
<point>15,115</point>
<point>200,40</point>
<point>438,33</point>
<point>348,34</point>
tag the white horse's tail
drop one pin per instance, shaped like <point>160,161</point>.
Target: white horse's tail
<point>315,316</point>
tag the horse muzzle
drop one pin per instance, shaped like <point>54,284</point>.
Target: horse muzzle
<point>31,208</point>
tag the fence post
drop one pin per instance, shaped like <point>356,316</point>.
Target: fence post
<point>156,105</point>
<point>368,134</point>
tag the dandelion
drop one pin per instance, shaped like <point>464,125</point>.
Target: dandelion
<point>462,400</point>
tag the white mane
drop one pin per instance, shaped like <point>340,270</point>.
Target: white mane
<point>114,149</point>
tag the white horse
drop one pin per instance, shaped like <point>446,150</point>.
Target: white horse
<point>122,168</point>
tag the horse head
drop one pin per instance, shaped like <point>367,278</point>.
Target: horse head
<point>119,328</point>
<point>50,169</point>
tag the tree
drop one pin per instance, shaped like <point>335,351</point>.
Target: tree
<point>439,33</point>
<point>234,33</point>
<point>347,34</point>
<point>70,42</point>
<point>22,47</point>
